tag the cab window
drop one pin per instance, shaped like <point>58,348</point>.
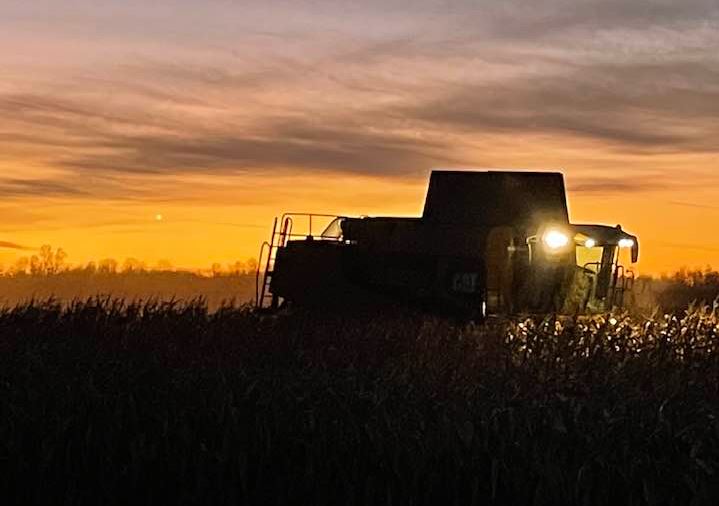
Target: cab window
<point>589,258</point>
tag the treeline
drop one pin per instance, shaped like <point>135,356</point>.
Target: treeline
<point>48,275</point>
<point>687,286</point>
<point>49,261</point>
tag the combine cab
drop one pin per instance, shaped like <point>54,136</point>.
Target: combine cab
<point>487,242</point>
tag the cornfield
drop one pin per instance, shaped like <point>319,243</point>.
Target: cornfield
<point>108,402</point>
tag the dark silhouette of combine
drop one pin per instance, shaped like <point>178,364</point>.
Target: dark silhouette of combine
<point>487,242</point>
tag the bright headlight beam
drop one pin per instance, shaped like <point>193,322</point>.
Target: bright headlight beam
<point>590,243</point>
<point>554,239</point>
<point>626,243</point>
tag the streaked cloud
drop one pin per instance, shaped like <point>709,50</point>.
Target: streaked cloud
<point>173,101</point>
<point>605,185</point>
<point>38,188</point>
<point>664,107</point>
<point>12,245</point>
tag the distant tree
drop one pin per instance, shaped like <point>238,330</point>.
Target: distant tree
<point>47,261</point>
<point>60,258</point>
<point>711,278</point>
<point>35,265</point>
<point>251,265</point>
<point>216,269</point>
<point>164,265</point>
<point>236,268</point>
<point>133,265</point>
<point>107,266</point>
<point>90,268</point>
<point>22,266</point>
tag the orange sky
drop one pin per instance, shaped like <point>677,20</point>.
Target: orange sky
<point>219,115</point>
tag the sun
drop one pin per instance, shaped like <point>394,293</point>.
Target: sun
<point>159,217</point>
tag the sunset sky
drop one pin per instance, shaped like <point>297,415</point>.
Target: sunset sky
<point>219,114</point>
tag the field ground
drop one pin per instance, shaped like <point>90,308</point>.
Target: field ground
<point>108,403</point>
<point>142,285</point>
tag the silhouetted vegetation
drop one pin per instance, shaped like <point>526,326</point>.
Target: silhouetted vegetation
<point>105,402</point>
<point>48,275</point>
<point>687,287</point>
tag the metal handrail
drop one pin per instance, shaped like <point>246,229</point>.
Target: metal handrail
<point>629,280</point>
<point>261,293</point>
<point>617,288</point>
<point>287,224</point>
<point>588,264</point>
<point>309,216</point>
<point>258,302</point>
<point>593,277</point>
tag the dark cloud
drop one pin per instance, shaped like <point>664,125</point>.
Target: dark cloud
<point>183,81</point>
<point>39,187</point>
<point>89,139</point>
<point>670,107</point>
<point>13,245</point>
<point>291,145</point>
<point>75,118</point>
<point>695,205</point>
<point>608,186</point>
<point>522,20</point>
<point>358,112</point>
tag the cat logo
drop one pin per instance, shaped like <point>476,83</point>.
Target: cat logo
<point>465,282</point>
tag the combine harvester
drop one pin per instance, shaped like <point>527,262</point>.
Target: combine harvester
<point>487,243</point>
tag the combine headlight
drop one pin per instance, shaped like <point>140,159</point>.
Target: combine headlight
<point>555,239</point>
<point>626,243</point>
<point>590,243</point>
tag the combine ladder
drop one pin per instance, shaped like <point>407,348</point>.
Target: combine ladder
<point>263,278</point>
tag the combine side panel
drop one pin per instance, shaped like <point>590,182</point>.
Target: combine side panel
<point>312,272</point>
